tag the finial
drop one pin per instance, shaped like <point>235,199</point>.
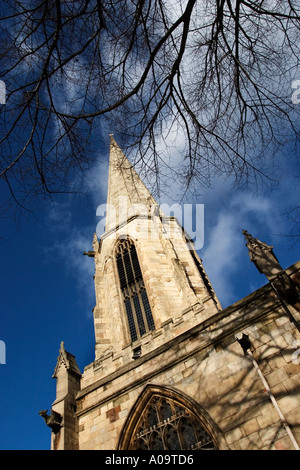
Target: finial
<point>262,256</point>
<point>250,239</point>
<point>254,243</point>
<point>113,142</point>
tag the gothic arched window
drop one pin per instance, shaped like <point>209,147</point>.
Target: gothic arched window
<point>167,424</point>
<point>137,306</point>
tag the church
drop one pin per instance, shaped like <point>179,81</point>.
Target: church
<point>172,369</point>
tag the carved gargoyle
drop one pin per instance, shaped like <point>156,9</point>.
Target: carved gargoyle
<point>53,420</point>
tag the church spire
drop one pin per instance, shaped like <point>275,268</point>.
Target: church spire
<point>147,272</point>
<point>127,195</point>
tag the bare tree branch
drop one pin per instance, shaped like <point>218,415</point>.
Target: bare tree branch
<point>213,77</point>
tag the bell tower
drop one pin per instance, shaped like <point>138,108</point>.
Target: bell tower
<point>149,283</point>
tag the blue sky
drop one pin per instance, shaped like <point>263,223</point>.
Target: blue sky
<point>48,292</point>
<point>47,289</point>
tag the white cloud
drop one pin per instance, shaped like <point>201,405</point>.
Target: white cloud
<point>96,183</point>
<point>70,237</point>
<point>224,254</point>
<point>59,217</point>
<point>68,250</point>
<point>221,254</point>
<point>224,250</point>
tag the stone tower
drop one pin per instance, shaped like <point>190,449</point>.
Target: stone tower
<point>146,277</point>
<point>169,371</point>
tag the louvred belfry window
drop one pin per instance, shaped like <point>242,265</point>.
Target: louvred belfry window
<point>137,306</point>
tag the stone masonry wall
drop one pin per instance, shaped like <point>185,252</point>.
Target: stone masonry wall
<point>208,364</point>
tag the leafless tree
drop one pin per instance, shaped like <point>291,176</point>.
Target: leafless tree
<point>210,78</point>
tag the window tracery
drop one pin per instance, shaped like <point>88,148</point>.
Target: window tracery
<point>169,425</point>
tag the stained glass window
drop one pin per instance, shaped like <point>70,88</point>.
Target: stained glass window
<point>166,424</point>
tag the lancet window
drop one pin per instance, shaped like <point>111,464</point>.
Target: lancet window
<point>137,306</point>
